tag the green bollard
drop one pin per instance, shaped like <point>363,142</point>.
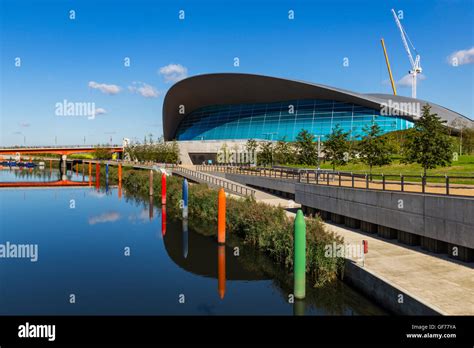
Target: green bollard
<point>299,266</point>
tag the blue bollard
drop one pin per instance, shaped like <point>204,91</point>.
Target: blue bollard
<point>185,199</point>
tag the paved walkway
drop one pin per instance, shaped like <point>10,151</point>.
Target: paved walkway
<point>441,283</point>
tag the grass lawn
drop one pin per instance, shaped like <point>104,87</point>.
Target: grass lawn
<point>464,166</point>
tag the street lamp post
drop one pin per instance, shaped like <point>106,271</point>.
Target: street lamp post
<point>319,150</point>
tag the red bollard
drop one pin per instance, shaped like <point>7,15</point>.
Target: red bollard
<point>163,189</point>
<point>366,246</point>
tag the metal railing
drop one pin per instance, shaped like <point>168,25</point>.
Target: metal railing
<point>459,185</point>
<point>229,186</point>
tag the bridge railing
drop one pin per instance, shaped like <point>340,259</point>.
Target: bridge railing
<point>59,147</point>
<point>459,185</point>
<point>229,186</point>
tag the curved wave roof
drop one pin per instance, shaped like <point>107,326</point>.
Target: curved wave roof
<point>236,88</point>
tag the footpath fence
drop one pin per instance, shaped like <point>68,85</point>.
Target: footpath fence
<point>460,185</point>
<point>212,180</point>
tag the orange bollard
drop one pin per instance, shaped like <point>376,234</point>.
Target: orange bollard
<point>50,164</point>
<point>77,168</point>
<point>120,173</point>
<point>221,278</point>
<point>221,217</point>
<point>163,189</point>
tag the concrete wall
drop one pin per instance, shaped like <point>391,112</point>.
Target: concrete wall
<point>206,146</point>
<point>445,218</point>
<point>440,224</point>
<point>384,293</point>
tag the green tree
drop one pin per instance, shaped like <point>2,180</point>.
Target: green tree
<point>337,147</point>
<point>284,152</point>
<point>428,143</point>
<point>251,148</point>
<point>265,155</point>
<point>101,153</point>
<point>374,149</point>
<point>468,140</point>
<point>306,148</point>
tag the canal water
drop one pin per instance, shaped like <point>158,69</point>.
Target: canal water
<point>96,252</point>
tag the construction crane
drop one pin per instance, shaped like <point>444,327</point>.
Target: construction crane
<point>415,63</point>
<point>388,67</point>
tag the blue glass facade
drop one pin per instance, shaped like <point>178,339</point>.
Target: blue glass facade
<point>282,119</point>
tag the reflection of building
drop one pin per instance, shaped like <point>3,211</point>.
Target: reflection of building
<point>205,111</point>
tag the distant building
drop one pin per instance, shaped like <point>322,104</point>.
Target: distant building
<point>203,112</point>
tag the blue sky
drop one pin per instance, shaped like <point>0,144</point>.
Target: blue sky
<point>82,60</point>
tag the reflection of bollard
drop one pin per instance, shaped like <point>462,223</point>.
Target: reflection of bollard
<point>120,181</point>
<point>221,270</point>
<point>163,188</point>
<point>77,169</point>
<point>97,175</point>
<point>163,220</point>
<point>90,174</point>
<point>150,208</point>
<point>185,199</point>
<point>151,183</point>
<point>185,238</point>
<point>300,256</point>
<point>106,177</point>
<point>221,217</point>
<point>299,307</point>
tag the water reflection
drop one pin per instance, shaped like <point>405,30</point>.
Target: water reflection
<point>221,270</point>
<point>299,307</point>
<point>163,220</point>
<point>82,251</point>
<point>150,208</point>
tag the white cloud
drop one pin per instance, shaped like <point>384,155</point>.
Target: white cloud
<point>461,57</point>
<point>104,88</point>
<point>142,217</point>
<point>106,217</point>
<point>173,72</point>
<point>406,80</point>
<point>24,124</point>
<point>100,111</point>
<point>144,89</point>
